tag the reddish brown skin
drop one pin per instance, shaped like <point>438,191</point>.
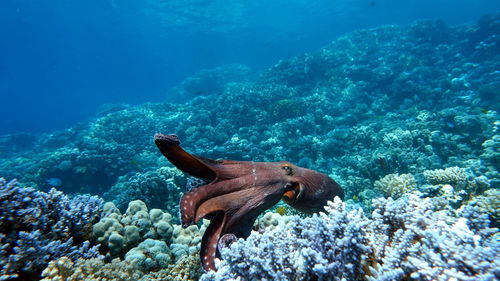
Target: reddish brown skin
<point>238,191</point>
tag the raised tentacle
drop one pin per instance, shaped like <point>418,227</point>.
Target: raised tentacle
<point>169,146</point>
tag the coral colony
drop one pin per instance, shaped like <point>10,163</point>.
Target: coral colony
<point>404,118</point>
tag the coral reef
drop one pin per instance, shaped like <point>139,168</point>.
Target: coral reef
<point>186,241</point>
<point>149,255</point>
<point>489,204</point>
<point>91,269</point>
<point>186,269</point>
<point>455,176</point>
<point>145,238</point>
<point>160,189</point>
<point>411,239</point>
<point>386,107</point>
<point>270,220</point>
<point>210,81</point>
<point>387,100</point>
<point>404,238</point>
<point>37,227</point>
<point>119,233</point>
<point>448,197</point>
<point>395,185</point>
<point>322,248</point>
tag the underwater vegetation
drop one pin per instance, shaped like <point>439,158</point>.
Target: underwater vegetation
<point>404,118</point>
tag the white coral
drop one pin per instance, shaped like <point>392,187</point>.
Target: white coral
<point>455,176</point>
<point>396,185</point>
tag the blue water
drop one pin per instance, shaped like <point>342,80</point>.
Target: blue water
<point>61,61</point>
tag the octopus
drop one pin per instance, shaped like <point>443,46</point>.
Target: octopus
<point>237,192</point>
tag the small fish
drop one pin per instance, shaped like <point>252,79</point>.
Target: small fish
<point>465,97</point>
<point>55,182</point>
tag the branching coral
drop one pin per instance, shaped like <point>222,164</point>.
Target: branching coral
<point>455,176</point>
<point>329,247</point>
<point>405,238</point>
<point>395,185</point>
<point>411,240</point>
<point>37,227</point>
<point>489,204</point>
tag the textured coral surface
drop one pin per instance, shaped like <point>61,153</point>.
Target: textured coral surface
<point>405,118</point>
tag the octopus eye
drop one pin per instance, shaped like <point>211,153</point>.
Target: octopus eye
<point>288,170</point>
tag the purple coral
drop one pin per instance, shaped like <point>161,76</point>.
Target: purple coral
<point>37,227</point>
<point>411,238</point>
<point>404,238</point>
<point>330,247</point>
